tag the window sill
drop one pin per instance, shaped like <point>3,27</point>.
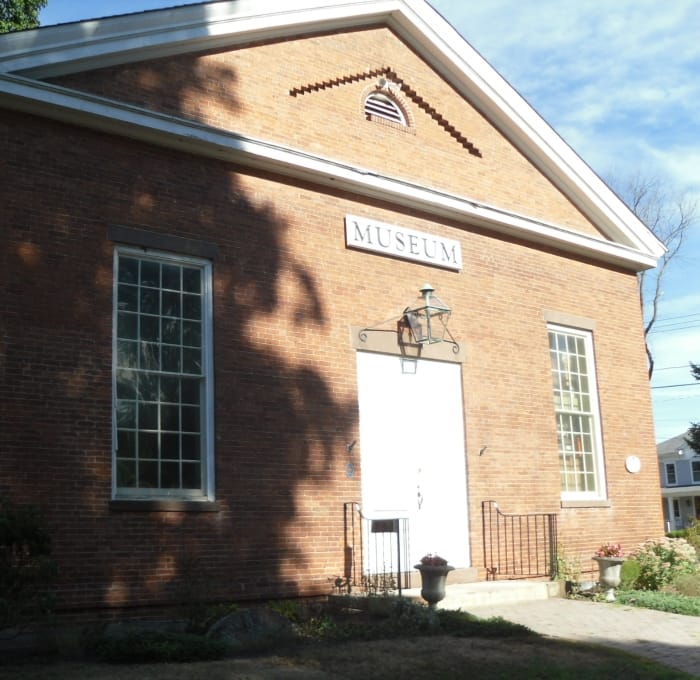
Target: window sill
<point>155,505</point>
<point>602,503</point>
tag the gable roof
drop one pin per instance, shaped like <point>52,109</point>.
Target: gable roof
<point>673,445</point>
<point>28,57</point>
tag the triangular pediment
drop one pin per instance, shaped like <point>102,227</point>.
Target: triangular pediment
<point>471,107</point>
<point>386,78</point>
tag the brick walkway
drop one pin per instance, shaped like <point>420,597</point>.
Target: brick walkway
<point>671,639</point>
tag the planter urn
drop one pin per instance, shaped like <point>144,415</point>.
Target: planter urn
<point>433,578</point>
<point>609,574</point>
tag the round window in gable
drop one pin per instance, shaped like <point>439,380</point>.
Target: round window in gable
<point>379,105</point>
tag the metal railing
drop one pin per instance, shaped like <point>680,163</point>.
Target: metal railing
<point>518,546</point>
<point>376,552</point>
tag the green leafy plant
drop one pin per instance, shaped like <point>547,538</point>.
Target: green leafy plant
<point>567,568</point>
<point>662,560</point>
<point>665,602</point>
<point>692,535</point>
<point>629,573</point>
<point>677,533</point>
<point>379,584</point>
<point>685,584</point>
<point>150,646</point>
<point>290,609</point>
<point>26,566</point>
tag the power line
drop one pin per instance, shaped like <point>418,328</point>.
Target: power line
<point>679,316</point>
<point>678,322</point>
<point>674,327</point>
<point>663,387</point>
<point>669,368</point>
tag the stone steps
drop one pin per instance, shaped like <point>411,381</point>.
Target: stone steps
<point>467,595</point>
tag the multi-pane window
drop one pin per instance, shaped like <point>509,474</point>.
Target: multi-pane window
<point>576,409</point>
<point>695,469</point>
<point>671,473</point>
<point>162,375</point>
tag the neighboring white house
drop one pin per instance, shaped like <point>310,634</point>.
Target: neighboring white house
<point>679,467</point>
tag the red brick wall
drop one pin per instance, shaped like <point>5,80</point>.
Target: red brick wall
<point>247,90</point>
<point>286,291</point>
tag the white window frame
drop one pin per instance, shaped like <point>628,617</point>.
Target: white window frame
<point>667,467</point>
<point>206,492</point>
<point>593,413</point>
<point>676,513</point>
<point>695,470</point>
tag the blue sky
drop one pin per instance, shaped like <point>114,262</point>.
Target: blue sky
<point>620,82</point>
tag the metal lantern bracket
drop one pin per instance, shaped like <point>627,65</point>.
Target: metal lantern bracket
<point>422,323</point>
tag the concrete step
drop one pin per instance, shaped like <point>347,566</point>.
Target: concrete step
<point>466,595</point>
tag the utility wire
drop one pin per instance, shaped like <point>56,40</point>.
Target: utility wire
<point>663,387</point>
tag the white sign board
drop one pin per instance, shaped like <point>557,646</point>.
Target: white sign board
<point>408,244</point>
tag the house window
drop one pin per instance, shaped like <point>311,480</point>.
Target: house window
<point>695,468</point>
<point>676,511</point>
<point>378,105</point>
<point>670,473</point>
<point>577,414</point>
<point>162,376</point>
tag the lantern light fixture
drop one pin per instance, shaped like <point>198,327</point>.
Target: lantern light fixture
<point>427,317</point>
<point>424,322</point>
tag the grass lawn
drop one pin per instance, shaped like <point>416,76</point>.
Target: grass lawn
<point>462,647</point>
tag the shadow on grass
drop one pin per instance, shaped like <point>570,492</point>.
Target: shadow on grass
<point>411,641</point>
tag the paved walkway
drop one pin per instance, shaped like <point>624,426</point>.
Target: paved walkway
<point>671,639</point>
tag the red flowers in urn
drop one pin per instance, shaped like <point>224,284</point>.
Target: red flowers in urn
<point>433,570</point>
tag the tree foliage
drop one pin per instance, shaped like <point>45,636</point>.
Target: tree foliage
<point>17,15</point>
<point>693,437</point>
<point>26,566</point>
<point>669,214</point>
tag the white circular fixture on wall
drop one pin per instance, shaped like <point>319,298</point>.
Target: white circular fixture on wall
<point>633,464</point>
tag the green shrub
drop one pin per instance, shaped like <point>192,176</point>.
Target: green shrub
<point>410,618</point>
<point>629,573</point>
<point>662,560</point>
<point>692,535</point>
<point>676,533</point>
<point>290,609</point>
<point>567,568</point>
<point>462,624</point>
<point>665,602</point>
<point>150,646</point>
<point>686,584</point>
<point>26,567</point>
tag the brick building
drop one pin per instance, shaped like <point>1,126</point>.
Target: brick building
<point>214,218</point>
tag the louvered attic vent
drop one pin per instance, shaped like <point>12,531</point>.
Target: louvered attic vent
<point>378,105</point>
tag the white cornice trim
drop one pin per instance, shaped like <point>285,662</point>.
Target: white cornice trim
<point>673,491</point>
<point>66,48</point>
<point>176,30</point>
<point>97,113</point>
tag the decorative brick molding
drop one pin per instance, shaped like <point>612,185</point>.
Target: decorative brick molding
<point>403,87</point>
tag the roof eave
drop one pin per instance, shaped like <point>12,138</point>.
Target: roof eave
<point>104,115</point>
<point>62,49</point>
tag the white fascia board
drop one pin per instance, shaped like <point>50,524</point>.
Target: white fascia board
<point>63,49</point>
<point>674,491</point>
<point>96,113</point>
<point>501,104</point>
<point>58,50</point>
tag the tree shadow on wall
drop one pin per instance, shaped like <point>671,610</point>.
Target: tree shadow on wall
<point>278,425</point>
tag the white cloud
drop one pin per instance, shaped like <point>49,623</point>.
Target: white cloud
<point>619,82</point>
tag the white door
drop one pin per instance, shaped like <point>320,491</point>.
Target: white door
<point>412,451</point>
